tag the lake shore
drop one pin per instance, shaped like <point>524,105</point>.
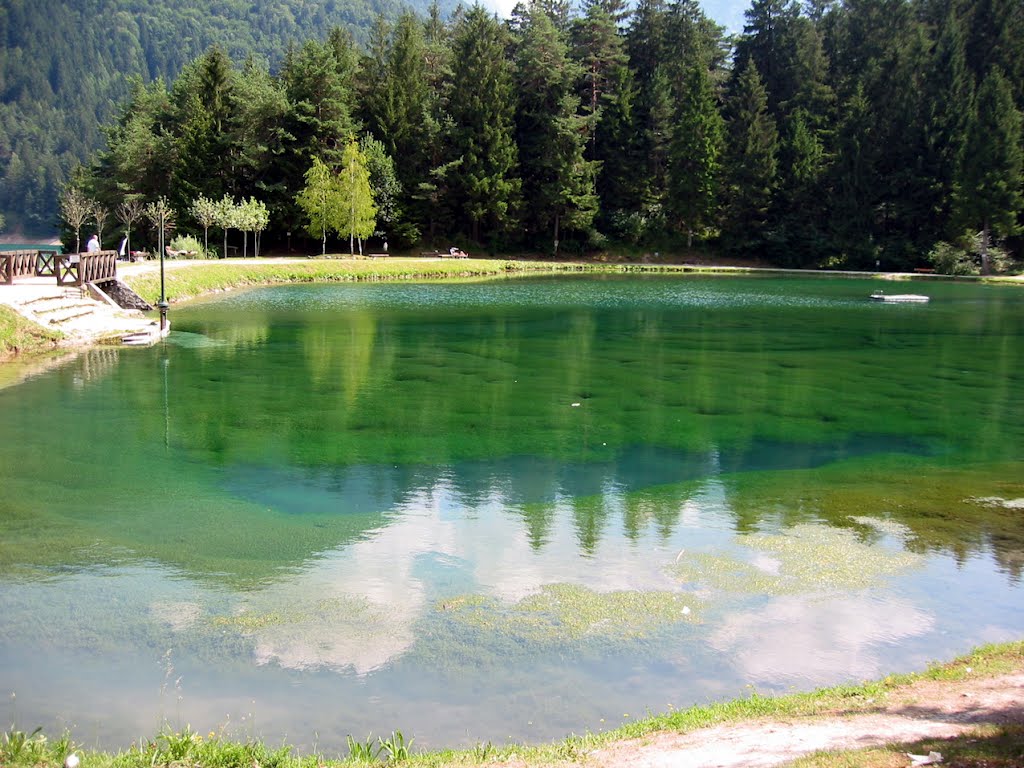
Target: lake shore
<point>958,698</point>
<point>968,712</point>
<point>187,279</point>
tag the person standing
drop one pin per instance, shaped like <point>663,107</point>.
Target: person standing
<point>94,244</point>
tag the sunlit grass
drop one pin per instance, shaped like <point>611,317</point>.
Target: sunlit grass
<point>20,336</point>
<point>989,746</point>
<point>985,747</point>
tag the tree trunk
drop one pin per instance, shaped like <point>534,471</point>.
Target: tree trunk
<point>556,233</point>
<point>985,267</point>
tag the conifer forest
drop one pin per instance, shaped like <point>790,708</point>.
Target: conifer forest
<point>852,134</point>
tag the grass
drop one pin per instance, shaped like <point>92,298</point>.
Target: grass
<point>19,335</point>
<point>991,746</point>
<point>191,280</point>
<point>985,747</point>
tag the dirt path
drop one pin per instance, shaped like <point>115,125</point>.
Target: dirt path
<point>925,709</point>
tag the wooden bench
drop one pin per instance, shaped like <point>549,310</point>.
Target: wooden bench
<point>924,270</point>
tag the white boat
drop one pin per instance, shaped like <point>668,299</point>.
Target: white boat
<point>899,298</point>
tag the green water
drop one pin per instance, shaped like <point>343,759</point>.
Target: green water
<point>508,510</point>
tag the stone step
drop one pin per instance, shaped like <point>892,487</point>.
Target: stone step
<point>61,315</point>
<point>51,307</point>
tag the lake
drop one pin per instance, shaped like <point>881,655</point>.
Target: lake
<point>507,510</point>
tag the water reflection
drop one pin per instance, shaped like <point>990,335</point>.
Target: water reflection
<point>498,500</point>
<point>848,636</point>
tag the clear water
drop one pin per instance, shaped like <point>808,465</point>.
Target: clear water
<point>507,510</point>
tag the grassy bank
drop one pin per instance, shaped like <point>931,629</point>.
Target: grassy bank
<point>992,746</point>
<point>21,336</point>
<point>189,280</point>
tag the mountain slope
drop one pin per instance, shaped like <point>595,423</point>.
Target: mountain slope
<point>64,65</point>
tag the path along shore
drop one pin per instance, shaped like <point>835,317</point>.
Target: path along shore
<point>86,321</point>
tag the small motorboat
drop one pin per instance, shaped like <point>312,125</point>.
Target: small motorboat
<point>899,298</point>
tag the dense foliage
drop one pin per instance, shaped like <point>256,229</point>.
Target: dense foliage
<point>849,134</point>
<point>65,63</point>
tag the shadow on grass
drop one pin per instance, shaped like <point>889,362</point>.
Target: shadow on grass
<point>1000,746</point>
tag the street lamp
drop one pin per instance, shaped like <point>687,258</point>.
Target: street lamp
<point>162,305</point>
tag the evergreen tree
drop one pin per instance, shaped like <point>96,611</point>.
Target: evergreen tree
<point>989,194</point>
<point>259,136</point>
<point>482,107</point>
<point>400,109</point>
<point>853,182</point>
<point>320,120</point>
<point>751,166</point>
<point>695,167</point>
<point>202,102</point>
<point>770,41</point>
<point>949,95</point>
<point>558,184</point>
<point>387,190</point>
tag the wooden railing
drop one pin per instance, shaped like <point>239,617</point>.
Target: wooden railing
<point>17,264</point>
<point>81,268</point>
<point>46,263</point>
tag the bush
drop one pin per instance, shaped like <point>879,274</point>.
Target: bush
<point>187,247</point>
<point>963,257</point>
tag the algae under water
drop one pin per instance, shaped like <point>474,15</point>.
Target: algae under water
<point>507,510</point>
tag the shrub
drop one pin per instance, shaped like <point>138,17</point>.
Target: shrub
<point>963,257</point>
<point>188,247</point>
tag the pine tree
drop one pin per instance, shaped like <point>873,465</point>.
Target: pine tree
<point>989,195</point>
<point>769,40</point>
<point>751,167</point>
<point>853,180</point>
<point>695,167</point>
<point>557,182</point>
<point>948,94</point>
<point>486,188</point>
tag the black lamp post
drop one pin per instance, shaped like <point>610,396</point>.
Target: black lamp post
<point>162,305</point>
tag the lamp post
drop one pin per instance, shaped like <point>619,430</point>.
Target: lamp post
<point>162,305</point>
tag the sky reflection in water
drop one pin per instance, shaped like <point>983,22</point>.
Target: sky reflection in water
<point>507,511</point>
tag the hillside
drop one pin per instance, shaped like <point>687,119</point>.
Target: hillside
<point>65,64</point>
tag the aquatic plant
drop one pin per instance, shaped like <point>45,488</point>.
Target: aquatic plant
<point>565,612</point>
<point>18,745</point>
<point>363,751</point>
<point>804,558</point>
<point>395,747</point>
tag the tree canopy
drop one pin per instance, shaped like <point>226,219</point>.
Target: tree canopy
<point>849,134</point>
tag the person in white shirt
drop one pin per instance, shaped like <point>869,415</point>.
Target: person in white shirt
<point>94,245</point>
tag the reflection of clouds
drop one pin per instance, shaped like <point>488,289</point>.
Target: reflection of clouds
<point>178,615</point>
<point>817,638</point>
<point>378,587</point>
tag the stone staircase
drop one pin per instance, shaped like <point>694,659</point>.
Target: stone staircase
<point>63,306</point>
<point>74,312</point>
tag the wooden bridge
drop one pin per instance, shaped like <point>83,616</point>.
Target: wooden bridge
<point>77,269</point>
<point>82,268</point>
<point>35,263</point>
